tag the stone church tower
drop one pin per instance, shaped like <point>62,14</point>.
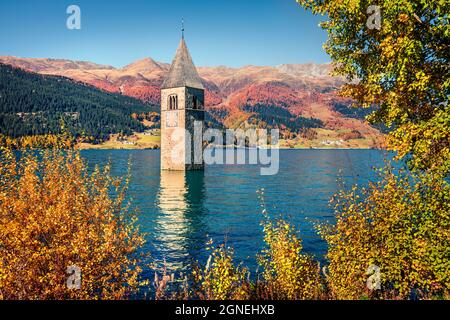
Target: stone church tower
<point>182,115</point>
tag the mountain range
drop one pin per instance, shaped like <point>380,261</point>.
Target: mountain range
<point>299,99</point>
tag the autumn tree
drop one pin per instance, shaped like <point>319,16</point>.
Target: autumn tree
<point>395,54</point>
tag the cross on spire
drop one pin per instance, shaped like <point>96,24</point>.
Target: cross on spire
<point>182,28</point>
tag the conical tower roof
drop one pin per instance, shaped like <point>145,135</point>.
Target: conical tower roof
<point>182,72</point>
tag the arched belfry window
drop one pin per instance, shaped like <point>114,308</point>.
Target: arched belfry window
<point>173,102</point>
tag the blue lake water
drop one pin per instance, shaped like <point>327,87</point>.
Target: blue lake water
<point>180,212</point>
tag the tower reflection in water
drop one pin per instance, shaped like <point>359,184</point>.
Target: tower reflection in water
<point>180,227</point>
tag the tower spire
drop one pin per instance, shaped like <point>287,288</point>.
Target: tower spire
<point>182,72</point>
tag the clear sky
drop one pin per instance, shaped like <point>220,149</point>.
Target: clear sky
<point>218,32</point>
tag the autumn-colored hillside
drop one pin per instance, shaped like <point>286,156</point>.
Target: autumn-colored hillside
<point>285,97</point>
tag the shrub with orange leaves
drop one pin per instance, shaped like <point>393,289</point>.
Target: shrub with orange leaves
<point>56,217</point>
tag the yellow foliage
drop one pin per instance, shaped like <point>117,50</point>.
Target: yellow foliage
<point>287,273</point>
<point>47,141</point>
<point>221,279</point>
<point>54,214</point>
<point>402,226</point>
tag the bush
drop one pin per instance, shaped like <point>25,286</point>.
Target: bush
<point>54,215</point>
<point>402,226</point>
<point>221,279</point>
<point>288,274</point>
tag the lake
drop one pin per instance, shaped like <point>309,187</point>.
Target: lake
<point>180,212</point>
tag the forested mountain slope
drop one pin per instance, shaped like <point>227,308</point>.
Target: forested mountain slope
<point>34,104</point>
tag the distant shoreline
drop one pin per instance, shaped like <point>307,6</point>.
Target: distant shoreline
<point>280,148</point>
<point>140,141</point>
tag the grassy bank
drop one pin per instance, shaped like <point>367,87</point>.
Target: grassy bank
<point>137,141</point>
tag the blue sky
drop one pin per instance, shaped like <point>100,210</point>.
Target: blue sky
<point>218,32</point>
